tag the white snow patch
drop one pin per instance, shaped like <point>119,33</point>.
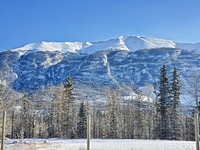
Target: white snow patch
<point>106,63</point>
<point>3,82</point>
<point>99,144</point>
<point>134,96</point>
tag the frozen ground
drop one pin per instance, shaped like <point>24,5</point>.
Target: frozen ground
<point>98,144</point>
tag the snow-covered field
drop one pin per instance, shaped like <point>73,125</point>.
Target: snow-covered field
<point>98,144</point>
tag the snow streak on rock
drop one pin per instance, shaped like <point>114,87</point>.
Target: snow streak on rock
<point>106,63</point>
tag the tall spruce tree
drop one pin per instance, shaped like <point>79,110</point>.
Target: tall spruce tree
<point>69,109</point>
<point>163,104</point>
<point>82,121</point>
<point>65,110</point>
<point>175,115</point>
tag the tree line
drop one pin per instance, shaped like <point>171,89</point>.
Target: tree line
<point>61,112</point>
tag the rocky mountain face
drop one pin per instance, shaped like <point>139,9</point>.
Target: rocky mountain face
<point>127,60</point>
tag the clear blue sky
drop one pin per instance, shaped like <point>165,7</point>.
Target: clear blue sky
<point>27,21</point>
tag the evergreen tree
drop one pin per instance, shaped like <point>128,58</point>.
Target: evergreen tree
<point>65,111</point>
<point>82,121</point>
<point>68,109</point>
<point>175,116</point>
<point>71,110</point>
<point>164,105</point>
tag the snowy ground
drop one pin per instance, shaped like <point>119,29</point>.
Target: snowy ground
<point>98,144</point>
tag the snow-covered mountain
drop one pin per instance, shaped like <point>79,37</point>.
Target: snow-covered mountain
<point>128,43</point>
<point>126,59</point>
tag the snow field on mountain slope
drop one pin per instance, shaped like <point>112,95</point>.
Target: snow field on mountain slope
<point>127,43</point>
<point>100,144</point>
<point>51,46</point>
<point>138,42</point>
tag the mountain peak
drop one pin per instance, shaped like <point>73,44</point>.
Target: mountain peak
<point>134,43</point>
